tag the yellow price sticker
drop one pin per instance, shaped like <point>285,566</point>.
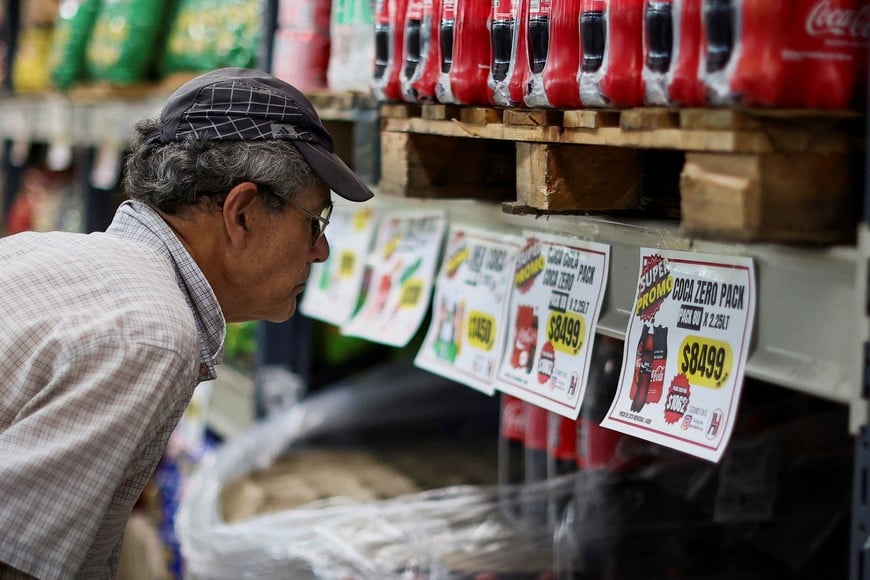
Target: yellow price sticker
<point>566,330</point>
<point>346,263</point>
<point>481,330</point>
<point>361,219</point>
<point>412,291</point>
<point>705,362</point>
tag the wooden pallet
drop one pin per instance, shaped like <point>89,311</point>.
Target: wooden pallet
<point>749,175</point>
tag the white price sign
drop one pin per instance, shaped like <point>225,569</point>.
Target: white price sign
<point>685,351</point>
<point>334,285</point>
<point>465,340</point>
<point>558,288</point>
<point>400,272</point>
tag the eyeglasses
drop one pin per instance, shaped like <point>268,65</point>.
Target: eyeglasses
<point>318,221</point>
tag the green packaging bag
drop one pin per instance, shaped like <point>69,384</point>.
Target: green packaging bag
<point>209,34</point>
<point>125,40</point>
<point>72,31</point>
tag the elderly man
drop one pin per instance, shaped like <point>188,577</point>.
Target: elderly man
<point>105,336</point>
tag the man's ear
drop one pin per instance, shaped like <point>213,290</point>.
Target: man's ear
<point>238,211</point>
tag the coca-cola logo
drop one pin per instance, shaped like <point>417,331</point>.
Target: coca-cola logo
<point>513,419</point>
<point>825,19</point>
<point>658,374</point>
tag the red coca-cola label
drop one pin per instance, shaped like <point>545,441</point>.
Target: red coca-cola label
<point>513,424</point>
<point>593,6</point>
<point>382,12</point>
<point>415,10</point>
<point>656,382</point>
<point>504,9</point>
<point>448,10</point>
<point>562,442</point>
<point>536,427</point>
<point>539,8</point>
<point>829,18</point>
<point>596,446</point>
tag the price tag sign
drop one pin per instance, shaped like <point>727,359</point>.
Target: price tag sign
<point>334,285</point>
<point>557,290</point>
<point>398,278</point>
<point>685,351</point>
<point>465,340</point>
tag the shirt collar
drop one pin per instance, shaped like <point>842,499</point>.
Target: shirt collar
<point>136,221</point>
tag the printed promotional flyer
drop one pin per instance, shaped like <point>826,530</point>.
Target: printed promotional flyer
<point>685,351</point>
<point>334,285</point>
<point>465,340</point>
<point>398,278</point>
<point>557,290</point>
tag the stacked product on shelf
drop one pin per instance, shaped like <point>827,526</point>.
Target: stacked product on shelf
<point>628,53</point>
<point>301,43</point>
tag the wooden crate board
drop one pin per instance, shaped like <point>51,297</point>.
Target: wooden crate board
<point>727,174</point>
<point>713,130</point>
<point>783,197</point>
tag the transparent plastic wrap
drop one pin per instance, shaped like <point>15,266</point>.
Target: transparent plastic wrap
<point>352,46</point>
<point>421,51</point>
<point>802,53</point>
<point>507,18</point>
<point>465,53</point>
<point>612,60</point>
<point>776,506</point>
<point>672,48</point>
<point>301,44</point>
<point>389,47</point>
<point>554,43</point>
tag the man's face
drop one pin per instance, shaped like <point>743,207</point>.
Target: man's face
<point>275,268</point>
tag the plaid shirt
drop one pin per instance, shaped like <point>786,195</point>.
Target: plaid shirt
<point>103,339</point>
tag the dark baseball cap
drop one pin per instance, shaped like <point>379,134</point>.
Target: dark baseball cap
<point>237,104</point>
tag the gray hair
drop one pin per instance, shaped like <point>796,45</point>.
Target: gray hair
<point>172,176</point>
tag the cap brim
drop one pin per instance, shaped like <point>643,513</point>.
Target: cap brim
<point>330,168</point>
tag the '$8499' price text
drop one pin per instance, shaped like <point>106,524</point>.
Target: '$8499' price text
<point>705,362</point>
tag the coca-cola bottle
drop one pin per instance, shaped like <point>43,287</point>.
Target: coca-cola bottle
<point>600,465</point>
<point>470,57</point>
<point>658,48</point>
<point>534,498</point>
<point>511,454</point>
<point>561,460</point>
<point>685,86</point>
<point>643,370</point>
<point>504,35</point>
<point>446,36</point>
<point>389,42</point>
<point>301,43</point>
<point>595,445</point>
<point>659,364</point>
<point>612,76</point>
<point>422,51</point>
<point>554,55</point>
<point>720,20</point>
